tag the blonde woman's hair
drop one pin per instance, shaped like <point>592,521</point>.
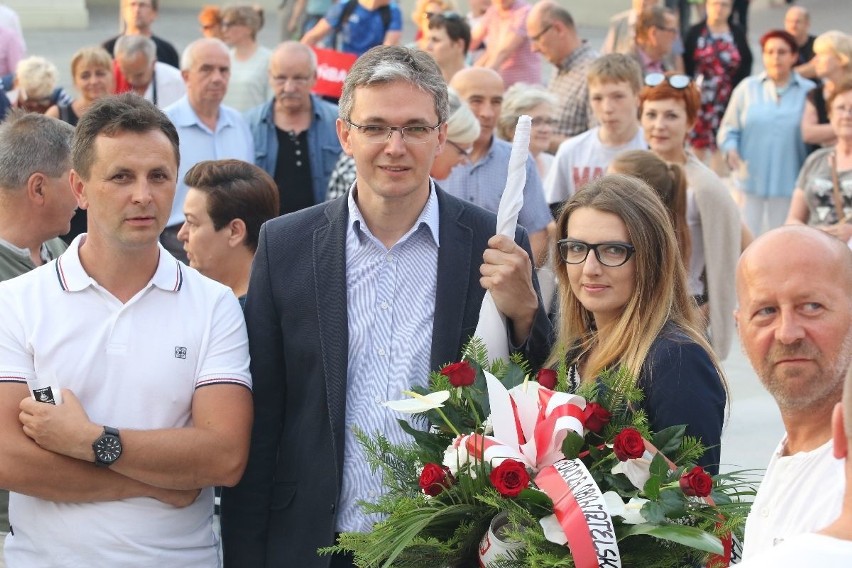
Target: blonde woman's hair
<point>36,76</point>
<point>669,183</point>
<point>97,56</point>
<point>660,293</point>
<point>838,43</point>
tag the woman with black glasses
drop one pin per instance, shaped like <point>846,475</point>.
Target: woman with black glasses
<point>623,303</point>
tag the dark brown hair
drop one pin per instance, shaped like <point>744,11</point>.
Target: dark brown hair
<point>236,190</point>
<point>113,115</point>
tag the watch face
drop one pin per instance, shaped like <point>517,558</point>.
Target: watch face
<point>108,448</point>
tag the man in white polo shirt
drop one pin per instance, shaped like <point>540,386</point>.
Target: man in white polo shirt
<point>152,362</point>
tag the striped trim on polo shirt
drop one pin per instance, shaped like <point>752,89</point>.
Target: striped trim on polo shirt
<point>176,287</point>
<point>178,277</point>
<point>13,379</point>
<point>60,274</point>
<point>221,381</point>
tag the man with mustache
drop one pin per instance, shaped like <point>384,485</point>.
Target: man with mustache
<point>794,287</point>
<point>208,129</point>
<point>295,137</point>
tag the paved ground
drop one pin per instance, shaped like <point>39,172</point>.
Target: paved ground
<point>754,425</point>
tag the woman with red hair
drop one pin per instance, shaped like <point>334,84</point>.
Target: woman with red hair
<point>761,136</point>
<point>669,106</point>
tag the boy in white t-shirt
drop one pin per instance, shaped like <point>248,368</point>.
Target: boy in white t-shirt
<point>614,83</point>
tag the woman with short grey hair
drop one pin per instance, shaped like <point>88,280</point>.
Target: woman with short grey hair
<point>539,104</point>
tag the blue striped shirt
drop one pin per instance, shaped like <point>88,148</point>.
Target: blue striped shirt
<point>483,183</point>
<point>391,307</point>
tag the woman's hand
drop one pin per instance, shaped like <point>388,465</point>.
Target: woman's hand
<point>732,157</point>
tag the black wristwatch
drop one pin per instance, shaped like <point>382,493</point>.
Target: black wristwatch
<point>107,447</point>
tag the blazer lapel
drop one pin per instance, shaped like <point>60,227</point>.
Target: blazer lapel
<point>329,265</point>
<point>454,265</point>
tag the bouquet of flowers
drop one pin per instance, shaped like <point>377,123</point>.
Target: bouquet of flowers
<point>514,472</point>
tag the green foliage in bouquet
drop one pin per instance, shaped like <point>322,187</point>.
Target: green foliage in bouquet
<point>440,499</point>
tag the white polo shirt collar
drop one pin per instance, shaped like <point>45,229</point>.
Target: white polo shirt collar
<point>74,278</point>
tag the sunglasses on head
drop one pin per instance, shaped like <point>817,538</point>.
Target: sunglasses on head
<point>444,16</point>
<point>676,81</point>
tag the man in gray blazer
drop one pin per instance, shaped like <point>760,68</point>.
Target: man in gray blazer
<point>354,300</point>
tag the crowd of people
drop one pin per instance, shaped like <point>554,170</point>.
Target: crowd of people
<point>672,200</point>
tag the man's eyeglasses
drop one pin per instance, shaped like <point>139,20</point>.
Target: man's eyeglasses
<point>676,81</point>
<point>415,134</point>
<point>460,150</point>
<point>538,36</point>
<point>231,24</point>
<point>611,254</point>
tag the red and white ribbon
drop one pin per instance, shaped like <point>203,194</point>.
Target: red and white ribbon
<point>530,423</point>
<point>582,513</point>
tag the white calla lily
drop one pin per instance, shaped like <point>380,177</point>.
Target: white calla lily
<point>630,512</point>
<point>418,403</point>
<point>638,470</point>
<point>553,531</point>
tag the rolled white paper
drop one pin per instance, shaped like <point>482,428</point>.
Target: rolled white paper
<point>491,327</point>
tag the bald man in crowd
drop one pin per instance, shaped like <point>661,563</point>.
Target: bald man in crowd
<point>830,547</point>
<point>482,180</point>
<point>552,33</point>
<point>794,288</point>
<point>208,129</point>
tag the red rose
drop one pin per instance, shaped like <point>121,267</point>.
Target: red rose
<point>628,444</point>
<point>510,478</point>
<point>696,483</point>
<point>435,478</point>
<point>460,374</point>
<point>546,378</point>
<point>595,417</point>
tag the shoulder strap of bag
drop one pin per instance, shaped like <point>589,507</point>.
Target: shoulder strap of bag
<point>344,17</point>
<point>835,182</point>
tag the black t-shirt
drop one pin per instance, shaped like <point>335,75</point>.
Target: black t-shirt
<point>806,52</point>
<point>293,171</point>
